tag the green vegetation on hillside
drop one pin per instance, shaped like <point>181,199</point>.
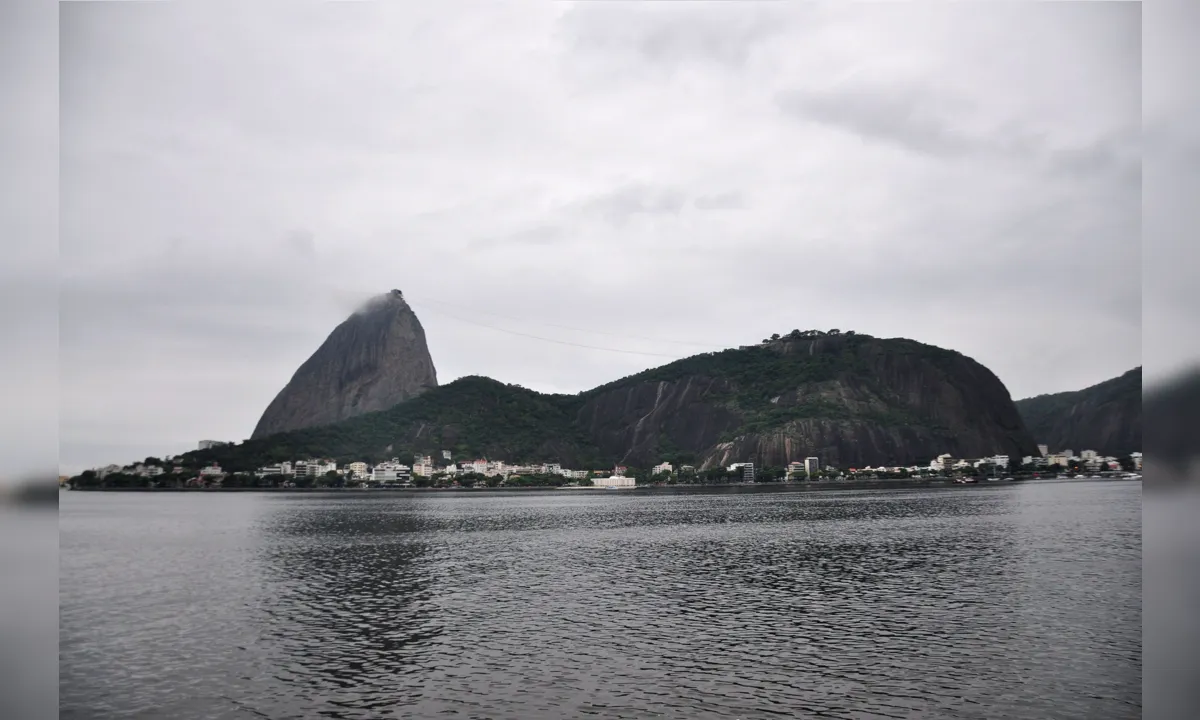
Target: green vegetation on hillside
<point>472,417</point>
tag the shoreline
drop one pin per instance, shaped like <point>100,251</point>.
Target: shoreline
<point>821,485</point>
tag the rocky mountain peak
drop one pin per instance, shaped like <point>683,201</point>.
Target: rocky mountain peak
<point>373,360</point>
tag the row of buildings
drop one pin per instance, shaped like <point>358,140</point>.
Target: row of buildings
<point>1088,459</point>
<point>394,472</point>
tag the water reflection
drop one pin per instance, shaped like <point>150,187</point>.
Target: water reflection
<point>349,619</point>
<point>969,603</point>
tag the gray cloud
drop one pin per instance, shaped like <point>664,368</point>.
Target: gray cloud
<point>668,34</point>
<point>302,242</point>
<point>231,190</point>
<point>620,205</point>
<point>721,201</point>
<point>920,119</point>
<point>906,117</point>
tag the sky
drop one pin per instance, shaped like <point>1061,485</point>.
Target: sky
<point>651,180</point>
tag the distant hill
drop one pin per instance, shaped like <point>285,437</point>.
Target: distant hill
<point>1106,417</point>
<point>850,400</point>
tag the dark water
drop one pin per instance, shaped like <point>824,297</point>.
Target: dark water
<point>1021,601</point>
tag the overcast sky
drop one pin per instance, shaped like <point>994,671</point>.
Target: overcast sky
<point>659,178</point>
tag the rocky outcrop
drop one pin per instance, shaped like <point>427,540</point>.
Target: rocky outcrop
<point>372,361</point>
<point>1106,417</point>
<point>849,400</point>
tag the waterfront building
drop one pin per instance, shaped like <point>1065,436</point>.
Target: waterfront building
<point>615,481</point>
<point>747,469</point>
<point>811,465</point>
<point>387,473</point>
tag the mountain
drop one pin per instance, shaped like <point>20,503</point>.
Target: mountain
<point>372,361</point>
<point>851,400</point>
<point>1106,417</point>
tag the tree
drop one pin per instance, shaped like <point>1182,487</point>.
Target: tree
<point>775,336</point>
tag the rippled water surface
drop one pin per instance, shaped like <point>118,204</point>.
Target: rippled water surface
<point>1019,601</point>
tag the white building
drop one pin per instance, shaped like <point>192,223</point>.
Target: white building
<point>811,465</point>
<point>1043,450</point>
<point>1137,460</point>
<point>283,468</point>
<point>206,444</point>
<point>211,470</point>
<point>796,467</point>
<point>663,467</point>
<point>615,481</point>
<point>358,470</point>
<point>1088,455</point>
<point>390,473</point>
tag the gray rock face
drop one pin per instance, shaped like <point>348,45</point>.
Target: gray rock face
<point>880,401</point>
<point>1106,417</point>
<point>372,361</point>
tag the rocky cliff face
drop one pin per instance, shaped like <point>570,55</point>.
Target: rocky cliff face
<point>849,400</point>
<point>1106,417</point>
<point>372,361</point>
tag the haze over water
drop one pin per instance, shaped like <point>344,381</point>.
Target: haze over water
<point>1015,601</point>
